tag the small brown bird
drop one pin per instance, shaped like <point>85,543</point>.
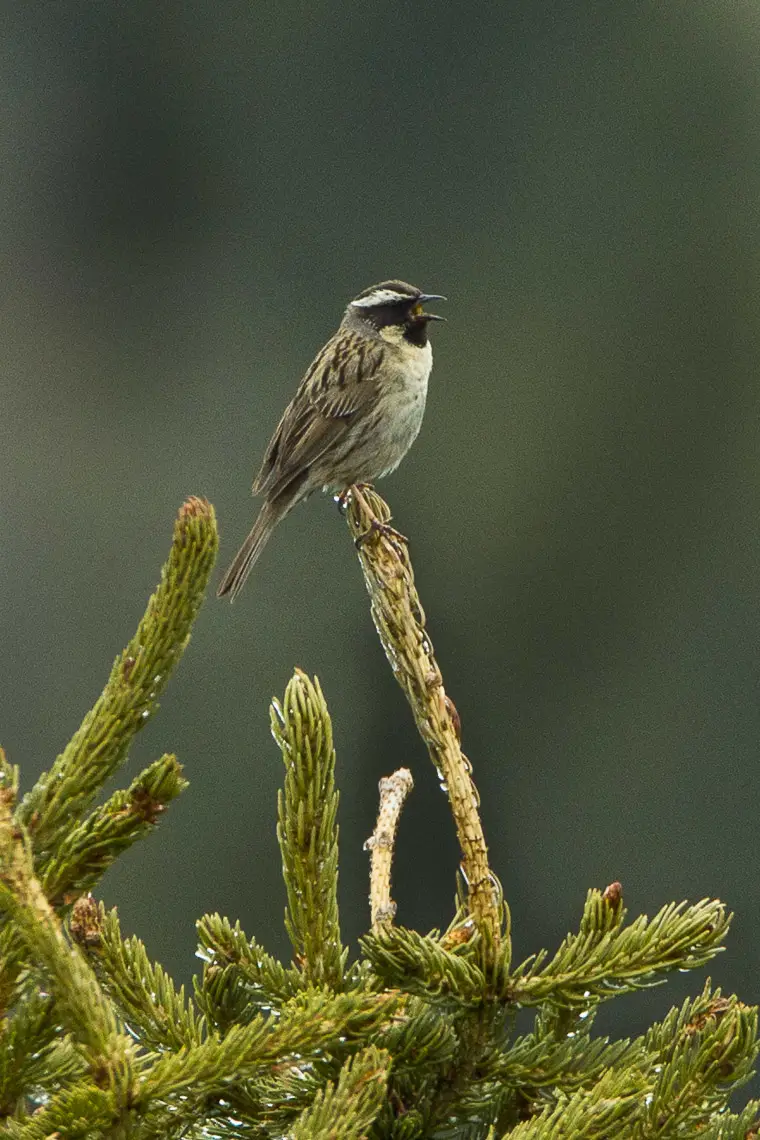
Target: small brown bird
<point>355,415</point>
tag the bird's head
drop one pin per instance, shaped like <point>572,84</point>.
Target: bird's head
<point>395,310</point>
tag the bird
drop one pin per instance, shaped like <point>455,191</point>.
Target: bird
<point>356,413</point>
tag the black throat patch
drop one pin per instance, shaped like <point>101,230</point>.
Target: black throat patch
<point>416,331</point>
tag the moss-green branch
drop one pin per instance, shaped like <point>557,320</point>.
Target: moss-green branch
<point>419,965</point>
<point>86,852</point>
<point>239,976</point>
<point>139,675</point>
<point>672,1082</point>
<point>84,1008</point>
<point>606,957</point>
<point>346,1109</point>
<point>312,1025</point>
<point>143,993</point>
<point>307,829</point>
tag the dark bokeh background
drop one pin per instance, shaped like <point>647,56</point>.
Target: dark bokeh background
<point>190,195</point>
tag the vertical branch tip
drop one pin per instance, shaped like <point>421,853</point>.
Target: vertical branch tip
<point>400,623</point>
<point>393,792</point>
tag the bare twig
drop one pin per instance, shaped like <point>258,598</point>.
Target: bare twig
<point>400,623</point>
<point>393,792</point>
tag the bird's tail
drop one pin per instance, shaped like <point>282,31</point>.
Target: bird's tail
<point>242,564</point>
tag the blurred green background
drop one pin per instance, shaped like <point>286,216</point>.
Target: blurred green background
<point>191,193</point>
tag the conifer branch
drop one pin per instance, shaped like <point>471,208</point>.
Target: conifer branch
<point>702,1053</point>
<point>400,623</point>
<point>535,1062</point>
<point>8,778</point>
<point>609,1109</point>
<point>143,993</point>
<point>420,1042</point>
<point>744,1125</point>
<point>307,829</point>
<point>606,957</point>
<point>393,792</point>
<point>317,1022</point>
<point>80,1002</point>
<point>419,965</point>
<point>85,853</point>
<point>344,1110</point>
<point>138,677</point>
<point>239,977</point>
<point>673,1081</point>
<point>14,957</point>
<point>32,1052</point>
<point>78,1112</point>
<point>13,952</point>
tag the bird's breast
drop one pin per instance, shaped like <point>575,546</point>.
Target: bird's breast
<point>402,405</point>
<point>386,427</point>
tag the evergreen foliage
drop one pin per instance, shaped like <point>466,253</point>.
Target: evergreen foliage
<point>307,830</point>
<point>414,1039</point>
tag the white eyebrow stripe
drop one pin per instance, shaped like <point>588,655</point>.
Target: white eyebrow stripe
<point>381,297</point>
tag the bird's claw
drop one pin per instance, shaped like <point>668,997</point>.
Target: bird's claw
<point>385,529</point>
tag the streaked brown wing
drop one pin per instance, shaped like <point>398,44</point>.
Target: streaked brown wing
<point>338,384</point>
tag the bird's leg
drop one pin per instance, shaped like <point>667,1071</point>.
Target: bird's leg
<point>375,525</point>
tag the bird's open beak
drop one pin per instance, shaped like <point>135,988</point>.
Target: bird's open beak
<point>424,298</point>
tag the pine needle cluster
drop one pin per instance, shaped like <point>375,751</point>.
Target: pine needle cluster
<point>414,1038</point>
